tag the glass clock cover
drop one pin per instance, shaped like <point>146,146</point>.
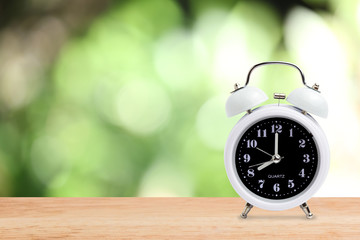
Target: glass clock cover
<point>296,165</point>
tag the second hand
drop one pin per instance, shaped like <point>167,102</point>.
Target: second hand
<point>264,152</point>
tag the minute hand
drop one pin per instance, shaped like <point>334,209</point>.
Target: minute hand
<point>276,144</point>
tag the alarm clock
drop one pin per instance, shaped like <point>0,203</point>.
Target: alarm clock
<point>276,156</point>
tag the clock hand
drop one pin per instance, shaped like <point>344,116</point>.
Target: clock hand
<point>265,165</point>
<point>264,152</point>
<point>276,144</point>
<point>259,163</point>
<point>275,158</point>
<point>268,163</point>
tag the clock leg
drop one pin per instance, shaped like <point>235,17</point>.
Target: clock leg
<point>247,209</point>
<point>306,210</point>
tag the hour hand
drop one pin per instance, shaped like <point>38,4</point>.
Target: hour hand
<point>268,163</point>
<point>276,159</point>
<point>259,164</point>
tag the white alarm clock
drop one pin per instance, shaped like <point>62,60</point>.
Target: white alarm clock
<point>276,156</point>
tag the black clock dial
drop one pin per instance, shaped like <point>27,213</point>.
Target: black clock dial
<point>284,175</point>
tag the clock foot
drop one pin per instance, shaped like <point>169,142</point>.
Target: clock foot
<point>306,210</point>
<point>247,209</point>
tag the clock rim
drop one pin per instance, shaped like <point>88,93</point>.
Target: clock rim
<point>294,114</point>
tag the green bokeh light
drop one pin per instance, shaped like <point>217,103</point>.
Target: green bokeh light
<point>133,104</point>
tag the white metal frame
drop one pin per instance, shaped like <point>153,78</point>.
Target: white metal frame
<point>270,111</point>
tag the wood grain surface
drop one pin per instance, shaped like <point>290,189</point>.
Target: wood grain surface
<point>172,218</point>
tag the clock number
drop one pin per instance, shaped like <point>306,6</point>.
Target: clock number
<point>302,143</point>
<point>263,133</point>
<point>251,173</point>
<point>302,173</point>
<point>276,187</point>
<point>261,182</point>
<point>246,157</point>
<point>291,132</point>
<point>306,158</point>
<point>251,143</point>
<point>277,128</point>
<point>291,184</point>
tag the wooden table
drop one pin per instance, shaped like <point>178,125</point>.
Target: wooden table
<point>172,218</point>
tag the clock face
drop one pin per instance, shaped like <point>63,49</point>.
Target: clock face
<point>276,158</point>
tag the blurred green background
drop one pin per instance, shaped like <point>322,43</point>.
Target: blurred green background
<point>126,98</point>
